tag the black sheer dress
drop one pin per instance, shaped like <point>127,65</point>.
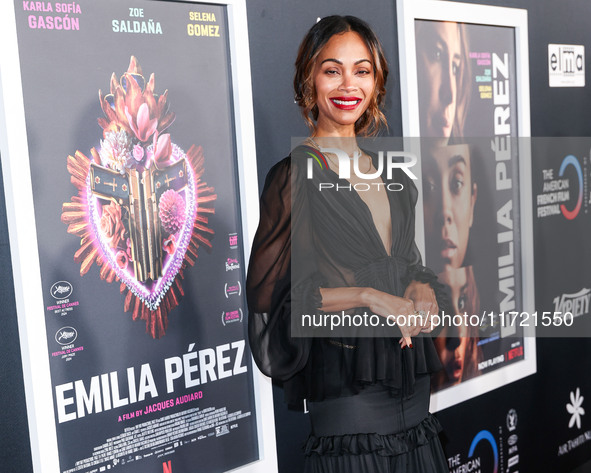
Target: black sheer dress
<point>368,398</point>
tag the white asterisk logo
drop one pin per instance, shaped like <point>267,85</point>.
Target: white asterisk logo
<point>575,408</point>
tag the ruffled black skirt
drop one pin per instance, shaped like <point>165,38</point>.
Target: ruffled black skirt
<point>373,432</point>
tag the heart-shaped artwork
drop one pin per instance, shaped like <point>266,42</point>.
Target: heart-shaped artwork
<point>141,209</point>
<point>144,239</point>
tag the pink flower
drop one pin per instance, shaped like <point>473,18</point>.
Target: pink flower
<point>121,258</point>
<point>138,152</point>
<point>171,210</point>
<point>142,126</point>
<point>162,150</point>
<point>130,92</point>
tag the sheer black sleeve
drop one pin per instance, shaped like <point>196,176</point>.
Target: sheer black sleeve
<point>272,290</point>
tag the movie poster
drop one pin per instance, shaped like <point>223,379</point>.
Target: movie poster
<point>129,115</point>
<point>467,91</point>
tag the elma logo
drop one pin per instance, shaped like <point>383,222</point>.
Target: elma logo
<point>575,408</point>
<point>570,160</point>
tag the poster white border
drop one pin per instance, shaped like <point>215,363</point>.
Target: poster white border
<point>407,12</point>
<point>23,235</point>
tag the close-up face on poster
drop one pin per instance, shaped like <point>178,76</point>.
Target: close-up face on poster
<point>129,113</point>
<point>467,104</point>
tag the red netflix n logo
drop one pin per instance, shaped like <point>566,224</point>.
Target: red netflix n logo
<point>167,467</point>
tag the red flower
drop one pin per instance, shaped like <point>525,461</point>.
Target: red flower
<point>121,259</point>
<point>112,226</point>
<point>170,245</point>
<point>142,126</point>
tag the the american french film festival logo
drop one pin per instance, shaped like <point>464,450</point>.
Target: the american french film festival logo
<point>478,455</point>
<point>387,161</point>
<point>570,160</point>
<point>556,191</point>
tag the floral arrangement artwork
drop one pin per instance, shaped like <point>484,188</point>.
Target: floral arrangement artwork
<point>141,210</point>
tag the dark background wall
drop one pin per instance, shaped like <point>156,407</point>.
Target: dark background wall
<point>275,29</point>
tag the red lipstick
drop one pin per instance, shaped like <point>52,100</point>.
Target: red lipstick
<point>346,103</point>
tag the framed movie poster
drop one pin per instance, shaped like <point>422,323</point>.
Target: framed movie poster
<point>128,156</point>
<point>465,110</point>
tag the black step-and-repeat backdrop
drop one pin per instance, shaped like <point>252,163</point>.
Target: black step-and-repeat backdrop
<point>538,423</point>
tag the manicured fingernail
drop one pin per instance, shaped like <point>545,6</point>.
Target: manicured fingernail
<point>410,345</point>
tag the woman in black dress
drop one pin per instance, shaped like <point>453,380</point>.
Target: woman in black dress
<point>328,251</point>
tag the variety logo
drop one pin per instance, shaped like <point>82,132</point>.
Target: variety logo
<point>232,264</point>
<point>570,160</point>
<point>575,408</point>
<point>66,335</point>
<point>577,304</point>
<point>61,290</point>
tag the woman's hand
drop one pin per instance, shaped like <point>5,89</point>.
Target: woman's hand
<point>423,297</point>
<point>384,304</point>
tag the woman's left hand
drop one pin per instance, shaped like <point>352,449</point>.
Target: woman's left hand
<point>424,299</point>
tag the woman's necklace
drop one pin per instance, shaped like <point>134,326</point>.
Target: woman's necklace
<point>356,155</point>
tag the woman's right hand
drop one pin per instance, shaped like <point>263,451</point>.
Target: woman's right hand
<point>386,305</point>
